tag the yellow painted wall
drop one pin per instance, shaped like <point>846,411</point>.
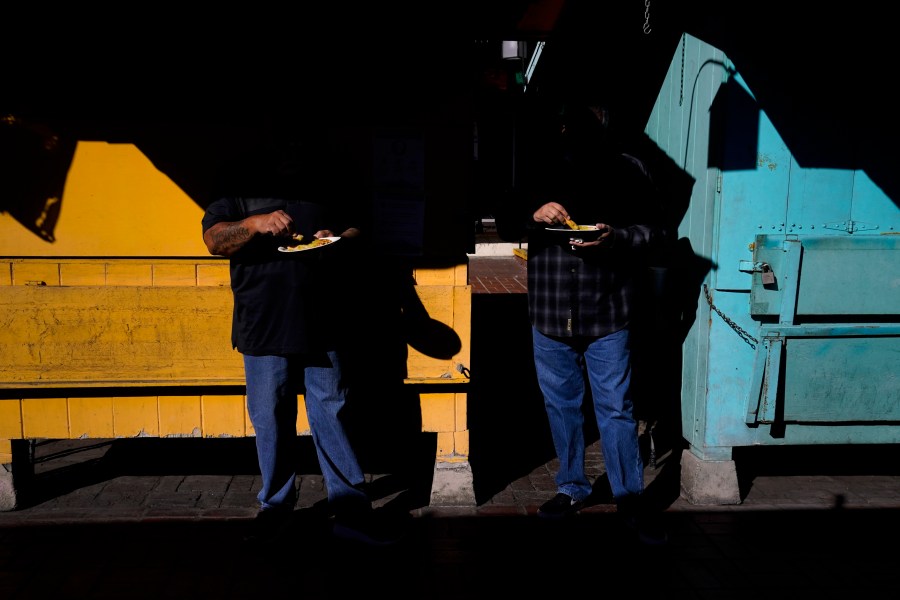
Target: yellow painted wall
<point>115,203</point>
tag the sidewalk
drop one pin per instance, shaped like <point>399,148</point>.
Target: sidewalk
<point>164,519</point>
<point>196,479</point>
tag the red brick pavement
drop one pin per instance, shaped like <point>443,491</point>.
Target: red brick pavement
<point>498,275</point>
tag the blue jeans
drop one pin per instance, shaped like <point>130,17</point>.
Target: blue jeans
<point>560,365</point>
<point>273,383</point>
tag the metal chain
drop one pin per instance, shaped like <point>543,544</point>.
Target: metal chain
<point>752,341</point>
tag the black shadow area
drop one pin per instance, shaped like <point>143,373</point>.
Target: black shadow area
<point>461,557</point>
<point>508,432</point>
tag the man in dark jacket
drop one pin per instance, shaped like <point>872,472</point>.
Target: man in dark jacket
<point>284,325</point>
<point>581,299</point>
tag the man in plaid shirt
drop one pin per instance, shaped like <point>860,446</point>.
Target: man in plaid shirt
<point>581,300</point>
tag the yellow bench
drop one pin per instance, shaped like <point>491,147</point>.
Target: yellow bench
<point>78,331</point>
<point>116,322</point>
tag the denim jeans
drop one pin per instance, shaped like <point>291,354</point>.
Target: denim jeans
<point>560,365</point>
<point>273,383</point>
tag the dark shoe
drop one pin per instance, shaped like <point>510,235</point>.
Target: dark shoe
<point>268,525</point>
<point>560,506</point>
<point>370,527</point>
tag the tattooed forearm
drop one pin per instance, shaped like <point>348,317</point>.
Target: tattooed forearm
<point>224,239</point>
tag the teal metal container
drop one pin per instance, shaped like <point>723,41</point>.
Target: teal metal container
<point>796,337</point>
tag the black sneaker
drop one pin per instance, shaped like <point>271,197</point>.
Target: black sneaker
<point>370,527</point>
<point>560,506</point>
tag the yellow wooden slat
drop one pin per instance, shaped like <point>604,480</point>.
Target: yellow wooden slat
<point>461,275</point>
<point>461,444</point>
<point>129,273</point>
<point>91,418</point>
<point>136,416</point>
<point>433,352</point>
<point>123,335</point>
<point>453,447</point>
<point>166,274</point>
<point>72,274</point>
<point>438,412</point>
<point>248,424</point>
<point>223,416</point>
<point>461,415</point>
<point>45,418</point>
<point>438,302</point>
<point>435,276</point>
<point>179,416</point>
<point>214,275</point>
<point>302,420</point>
<point>446,445</point>
<point>5,452</point>
<point>10,419</point>
<point>462,324</point>
<point>24,273</point>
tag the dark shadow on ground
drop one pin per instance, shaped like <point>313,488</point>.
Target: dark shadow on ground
<point>82,465</point>
<point>455,557</point>
<point>813,460</point>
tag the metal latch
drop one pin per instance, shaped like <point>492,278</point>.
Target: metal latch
<point>749,266</point>
<point>764,268</point>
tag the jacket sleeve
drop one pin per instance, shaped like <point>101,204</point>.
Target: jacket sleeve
<point>649,231</point>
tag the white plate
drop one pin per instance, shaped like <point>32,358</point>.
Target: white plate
<point>569,230</point>
<point>590,233</point>
<point>330,239</point>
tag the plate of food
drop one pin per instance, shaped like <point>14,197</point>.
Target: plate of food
<point>577,228</point>
<point>585,232</point>
<point>299,246</point>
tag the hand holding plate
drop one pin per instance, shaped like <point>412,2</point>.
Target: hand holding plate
<point>603,237</point>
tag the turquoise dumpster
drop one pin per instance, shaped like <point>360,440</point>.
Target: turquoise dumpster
<point>796,335</point>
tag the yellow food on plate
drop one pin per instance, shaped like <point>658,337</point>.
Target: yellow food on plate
<point>572,225</point>
<point>313,244</point>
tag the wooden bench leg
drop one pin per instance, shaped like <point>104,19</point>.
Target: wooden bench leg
<point>452,484</point>
<point>16,470</point>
